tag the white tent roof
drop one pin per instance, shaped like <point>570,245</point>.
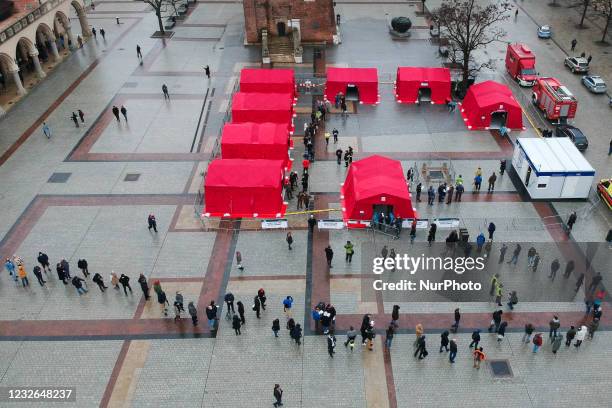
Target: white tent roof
<point>554,155</point>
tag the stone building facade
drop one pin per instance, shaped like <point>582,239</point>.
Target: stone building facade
<point>317,20</point>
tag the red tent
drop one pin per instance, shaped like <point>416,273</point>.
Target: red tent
<point>267,80</point>
<point>262,108</point>
<point>416,83</point>
<point>374,181</point>
<point>488,105</point>
<point>346,79</point>
<point>269,141</point>
<point>244,188</point>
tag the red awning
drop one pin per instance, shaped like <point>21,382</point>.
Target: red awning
<point>262,108</point>
<point>269,141</point>
<point>267,80</point>
<point>411,79</point>
<point>244,188</point>
<point>365,79</point>
<point>484,99</point>
<point>375,180</point>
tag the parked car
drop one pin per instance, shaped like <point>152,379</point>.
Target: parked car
<point>577,64</point>
<point>594,83</point>
<point>544,31</point>
<point>574,134</point>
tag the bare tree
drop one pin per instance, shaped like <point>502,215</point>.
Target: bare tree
<point>585,5</point>
<point>468,27</point>
<point>158,7</point>
<point>603,8</point>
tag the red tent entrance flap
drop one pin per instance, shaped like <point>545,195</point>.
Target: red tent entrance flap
<point>267,81</point>
<point>365,79</point>
<point>491,100</point>
<point>268,141</point>
<point>262,108</point>
<point>374,181</point>
<point>435,84</point>
<point>238,188</point>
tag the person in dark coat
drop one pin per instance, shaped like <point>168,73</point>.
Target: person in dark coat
<point>278,395</point>
<point>276,327</point>
<point>419,188</point>
<point>144,286</point>
<point>501,331</point>
<point>163,302</point>
<point>98,280</point>
<point>421,351</point>
<point>395,316</point>
<point>475,338</point>
<point>453,351</point>
<point>296,334</point>
<point>497,316</point>
<point>329,255</point>
<point>61,274</point>
<point>152,222</point>
<point>124,280</point>
<point>77,283</point>
<point>261,294</point>
<point>66,268</point>
<point>229,301</point>
<point>444,340</point>
<point>38,273</point>
<point>211,315</point>
<point>455,326</point>
<point>43,260</point>
<point>331,344</point>
<point>82,265</point>
<point>193,312</point>
<point>365,323</point>
<point>236,324</point>
<point>569,336</point>
<point>241,312</point>
<point>256,306</point>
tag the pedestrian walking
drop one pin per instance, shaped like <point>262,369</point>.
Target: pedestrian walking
<point>163,302</point>
<point>38,273</point>
<point>78,284</point>
<point>296,334</point>
<point>165,91</point>
<point>98,280</point>
<point>459,189</point>
<point>256,306</point>
<point>492,180</point>
<point>502,167</point>
<point>556,343</point>
<point>479,356</point>
<point>431,236</point>
<point>289,240</point>
<point>287,305</point>
<point>193,312</point>
<point>66,267</point>
<point>351,335</point>
<point>475,338</point>
<point>554,267</point>
<point>449,198</point>
<point>574,42</point>
<point>275,327</point>
<point>571,221</point>
<point>142,280</point>
<point>569,268</point>
<point>152,221</point>
<point>589,59</point>
<point>10,267</point>
<point>365,323</point>
<point>327,137</point>
<point>419,188</point>
<point>580,335</point>
<point>239,261</point>
<point>480,241</point>
<point>178,299</point>
<point>389,335</point>
<point>93,29</point>
<point>515,254</point>
<point>75,119</point>
<point>278,395</point>
<point>331,344</point>
<point>536,262</point>
<point>43,260</point>
<point>529,329</point>
<point>240,307</point>
<point>501,332</point>
<point>211,315</point>
<point>569,336</point>
<point>512,299</point>
<point>455,326</point>
<point>491,230</point>
<point>81,115</point>
<point>138,52</point>
<point>124,112</point>
<point>103,34</point>
<point>61,274</point>
<point>83,266</point>
<point>177,311</point>
<point>207,71</point>
<point>593,327</point>
<point>413,229</point>
<point>537,342</point>
<point>444,341</point>
<point>115,111</point>
<point>229,302</point>
<point>236,325</point>
<point>477,183</point>
<point>516,14</point>
<point>350,251</point>
<point>494,284</point>
<point>339,156</point>
<point>125,282</point>
<point>421,349</point>
<point>453,350</point>
<point>595,282</point>
<point>495,321</point>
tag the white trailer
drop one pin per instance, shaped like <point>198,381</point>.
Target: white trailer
<point>552,168</point>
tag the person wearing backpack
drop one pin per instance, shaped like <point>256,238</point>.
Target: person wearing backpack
<point>351,335</point>
<point>537,342</point>
<point>475,339</point>
<point>479,356</point>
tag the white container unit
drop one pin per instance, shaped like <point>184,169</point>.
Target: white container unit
<point>552,168</point>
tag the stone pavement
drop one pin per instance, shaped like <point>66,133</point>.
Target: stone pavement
<point>87,192</point>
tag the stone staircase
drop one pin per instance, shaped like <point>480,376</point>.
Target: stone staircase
<point>281,49</point>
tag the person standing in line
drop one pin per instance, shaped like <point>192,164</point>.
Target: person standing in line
<point>492,180</point>
<point>124,112</point>
<point>289,240</point>
<point>78,284</point>
<point>193,312</point>
<point>349,249</point>
<point>43,260</point>
<point>431,195</point>
<point>115,111</point>
<point>537,342</point>
<point>453,350</point>
<point>98,280</point>
<point>580,335</point>
<point>556,343</point>
<point>491,230</point>
<point>81,115</point>
<point>419,189</point>
<point>389,336</point>
<point>38,273</point>
<point>163,302</point>
<point>138,52</point>
<point>83,266</point>
<point>450,192</point>
<point>275,327</point>
<point>459,189</point>
<point>240,307</point>
<point>278,395</point>
<point>211,314</point>
<point>114,280</point>
<point>239,261</point>
<point>142,280</point>
<point>479,356</point>
<point>569,336</point>
<point>475,338</point>
<point>152,222</point>
<point>229,302</point>
<point>256,306</point>
<point>529,329</point>
<point>125,282</point>
<point>339,156</point>
<point>351,335</point>
<point>296,334</point>
<point>165,91</point>
<point>331,344</point>
<point>236,325</point>
<point>444,340</point>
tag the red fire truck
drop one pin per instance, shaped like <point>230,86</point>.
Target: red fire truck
<point>554,99</point>
<point>520,63</point>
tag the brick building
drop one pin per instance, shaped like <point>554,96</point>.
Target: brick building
<point>317,21</point>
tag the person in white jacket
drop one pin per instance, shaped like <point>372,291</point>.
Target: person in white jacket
<point>580,335</point>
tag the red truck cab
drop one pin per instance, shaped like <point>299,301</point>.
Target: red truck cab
<point>554,99</point>
<point>520,63</point>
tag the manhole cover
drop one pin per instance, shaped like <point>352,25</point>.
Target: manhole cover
<point>436,175</point>
<point>59,177</point>
<point>132,177</point>
<point>501,368</point>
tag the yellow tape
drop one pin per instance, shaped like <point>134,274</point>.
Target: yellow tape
<point>529,119</point>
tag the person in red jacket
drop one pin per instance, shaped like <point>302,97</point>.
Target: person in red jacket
<point>537,342</point>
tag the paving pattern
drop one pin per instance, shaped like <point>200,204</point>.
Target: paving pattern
<point>87,192</point>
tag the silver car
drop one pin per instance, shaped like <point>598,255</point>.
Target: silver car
<point>594,83</point>
<point>577,64</point>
